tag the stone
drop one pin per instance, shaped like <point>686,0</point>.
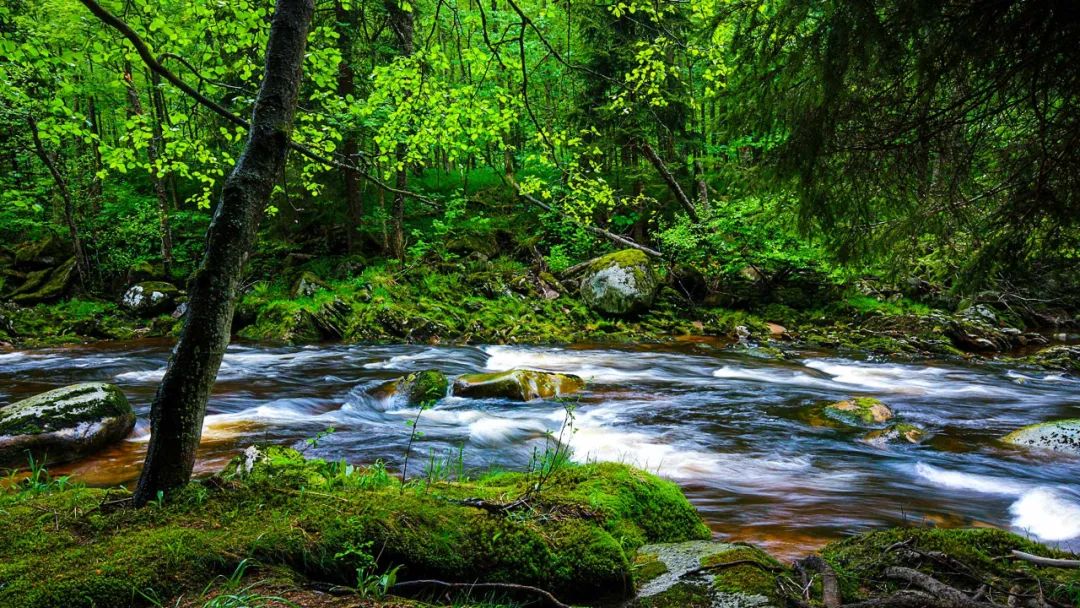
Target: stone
<point>517,385</point>
<point>63,424</point>
<point>859,411</point>
<point>415,388</point>
<point>46,285</point>
<point>895,433</point>
<point>620,283</point>
<point>150,297</point>
<point>1056,435</point>
<point>307,285</point>
<point>693,575</point>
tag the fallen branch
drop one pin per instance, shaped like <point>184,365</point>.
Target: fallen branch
<point>547,599</point>
<point>670,180</point>
<point>1049,562</point>
<point>830,587</point>
<point>903,599</point>
<point>945,596</point>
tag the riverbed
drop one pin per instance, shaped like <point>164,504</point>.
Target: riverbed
<point>723,423</point>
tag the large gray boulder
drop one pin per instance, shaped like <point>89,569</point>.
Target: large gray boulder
<point>1057,435</point>
<point>620,283</point>
<point>63,424</point>
<point>150,297</point>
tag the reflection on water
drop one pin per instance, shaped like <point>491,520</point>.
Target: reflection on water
<point>720,423</point>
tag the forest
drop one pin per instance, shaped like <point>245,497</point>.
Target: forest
<point>509,303</point>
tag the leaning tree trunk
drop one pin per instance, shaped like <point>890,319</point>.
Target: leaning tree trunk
<point>177,413</point>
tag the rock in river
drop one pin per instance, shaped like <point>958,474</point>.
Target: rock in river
<point>859,411</point>
<point>415,388</point>
<point>1057,435</point>
<point>517,385</point>
<point>895,433</point>
<point>620,283</point>
<point>63,424</point>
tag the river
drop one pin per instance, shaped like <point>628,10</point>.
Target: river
<point>723,424</point>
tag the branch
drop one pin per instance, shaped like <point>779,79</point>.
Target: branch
<point>670,180</point>
<point>945,596</point>
<point>1046,561</point>
<point>155,66</point>
<point>547,599</point>
<point>595,230</point>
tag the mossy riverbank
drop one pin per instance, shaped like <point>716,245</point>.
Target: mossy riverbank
<point>276,529</point>
<point>503,301</point>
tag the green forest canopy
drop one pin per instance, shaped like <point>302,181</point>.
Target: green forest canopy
<point>932,138</point>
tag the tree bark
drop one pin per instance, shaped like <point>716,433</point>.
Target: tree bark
<point>345,25</point>
<point>670,180</point>
<point>82,264</point>
<point>401,24</point>
<point>153,148</point>
<point>176,415</point>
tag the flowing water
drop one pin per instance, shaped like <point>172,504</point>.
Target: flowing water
<point>723,424</point>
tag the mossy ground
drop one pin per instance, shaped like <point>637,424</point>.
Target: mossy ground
<point>323,521</point>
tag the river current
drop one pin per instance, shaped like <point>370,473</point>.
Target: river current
<point>722,423</point>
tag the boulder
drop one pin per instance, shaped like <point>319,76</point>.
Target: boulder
<point>307,285</point>
<point>706,574</point>
<point>517,385</point>
<point>45,253</point>
<point>63,424</point>
<point>620,283</point>
<point>1057,435</point>
<point>860,411</point>
<point>46,285</point>
<point>895,433</point>
<point>415,388</point>
<point>1063,356</point>
<point>150,297</point>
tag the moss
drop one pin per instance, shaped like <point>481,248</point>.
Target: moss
<point>324,521</point>
<point>680,595</point>
<point>647,566</point>
<point>859,411</point>
<point>859,561</point>
<point>757,576</point>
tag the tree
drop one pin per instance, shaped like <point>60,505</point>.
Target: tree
<point>179,406</point>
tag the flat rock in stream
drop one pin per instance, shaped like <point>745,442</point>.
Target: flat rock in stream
<point>1057,435</point>
<point>63,424</point>
<point>517,385</point>
<point>704,574</point>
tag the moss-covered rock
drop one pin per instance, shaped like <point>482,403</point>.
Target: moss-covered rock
<point>63,424</point>
<point>517,385</point>
<point>894,433</point>
<point>46,285</point>
<point>324,520</point>
<point>415,388</point>
<point>150,298</point>
<point>1057,435</point>
<point>1064,357</point>
<point>307,285</point>
<point>860,411</point>
<point>620,283</point>
<point>707,574</point>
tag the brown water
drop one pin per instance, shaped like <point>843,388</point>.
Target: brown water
<point>721,423</point>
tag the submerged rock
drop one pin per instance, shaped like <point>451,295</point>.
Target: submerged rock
<point>150,297</point>
<point>517,385</point>
<point>620,283</point>
<point>415,388</point>
<point>64,424</point>
<point>1057,435</point>
<point>895,433</point>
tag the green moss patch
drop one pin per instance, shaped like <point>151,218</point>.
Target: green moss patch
<point>325,520</point>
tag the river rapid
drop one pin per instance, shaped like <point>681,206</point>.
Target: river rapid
<point>722,423</point>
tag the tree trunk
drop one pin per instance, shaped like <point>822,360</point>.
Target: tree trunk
<point>401,23</point>
<point>176,415</point>
<point>345,25</point>
<point>670,180</point>
<point>153,148</point>
<point>82,265</point>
